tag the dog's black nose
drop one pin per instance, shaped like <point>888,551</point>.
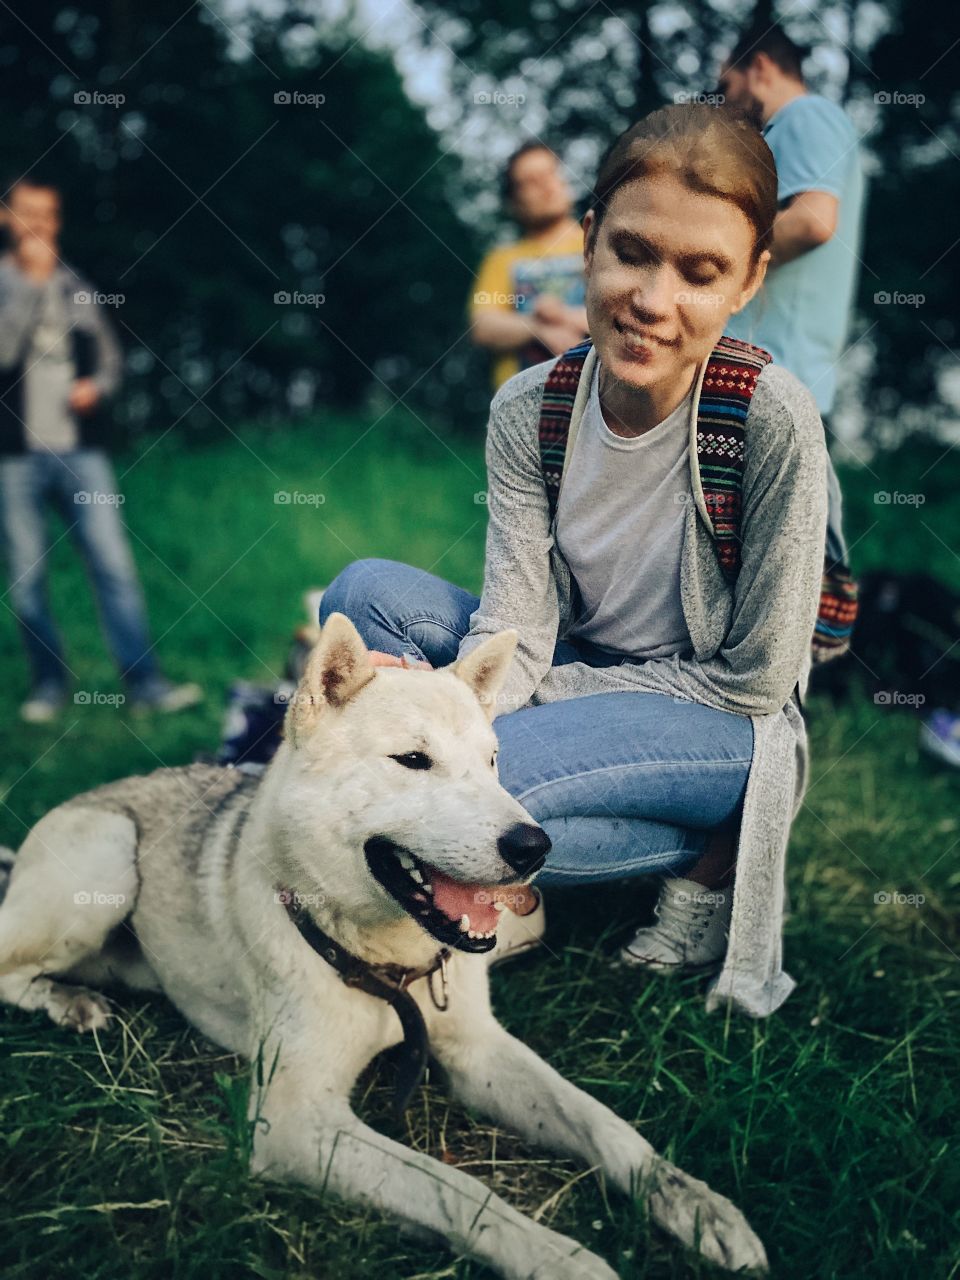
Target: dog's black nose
<point>524,847</point>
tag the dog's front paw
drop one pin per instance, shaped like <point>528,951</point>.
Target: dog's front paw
<point>704,1220</point>
<point>79,1009</point>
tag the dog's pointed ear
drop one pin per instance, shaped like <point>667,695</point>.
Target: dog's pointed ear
<point>337,669</point>
<point>485,668</point>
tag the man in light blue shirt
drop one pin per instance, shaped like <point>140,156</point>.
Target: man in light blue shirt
<point>801,315</point>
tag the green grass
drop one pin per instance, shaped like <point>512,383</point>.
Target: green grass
<point>832,1124</point>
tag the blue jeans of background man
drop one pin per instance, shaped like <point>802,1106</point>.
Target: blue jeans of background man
<point>836,549</point>
<point>624,784</point>
<point>82,485</point>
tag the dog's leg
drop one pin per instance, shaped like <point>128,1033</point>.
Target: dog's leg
<point>73,881</point>
<point>498,1075</point>
<point>68,1006</point>
<point>311,1136</point>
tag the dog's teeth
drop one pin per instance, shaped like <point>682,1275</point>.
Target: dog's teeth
<point>405,861</point>
<point>472,934</point>
<point>428,888</point>
<point>415,875</point>
<point>464,923</point>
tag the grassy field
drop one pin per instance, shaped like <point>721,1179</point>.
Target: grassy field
<point>833,1124</point>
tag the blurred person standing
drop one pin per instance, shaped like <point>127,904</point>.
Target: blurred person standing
<point>59,363</point>
<point>802,313</point>
<point>528,297</point>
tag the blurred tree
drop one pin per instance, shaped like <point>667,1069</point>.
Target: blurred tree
<point>233,171</point>
<point>914,245</point>
<point>200,197</point>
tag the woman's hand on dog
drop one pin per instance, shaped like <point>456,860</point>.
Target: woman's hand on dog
<point>379,659</point>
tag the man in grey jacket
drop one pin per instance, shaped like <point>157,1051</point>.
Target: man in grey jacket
<point>59,363</point>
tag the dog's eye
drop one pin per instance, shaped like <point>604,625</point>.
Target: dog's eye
<point>493,760</point>
<point>413,760</point>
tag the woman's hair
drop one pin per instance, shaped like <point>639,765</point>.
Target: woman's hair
<point>715,151</point>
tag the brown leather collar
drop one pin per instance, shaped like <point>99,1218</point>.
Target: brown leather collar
<point>388,982</point>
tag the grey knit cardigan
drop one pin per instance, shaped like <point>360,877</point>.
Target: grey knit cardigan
<point>751,642</point>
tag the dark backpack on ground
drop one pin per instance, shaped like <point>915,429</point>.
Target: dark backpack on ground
<point>906,648</point>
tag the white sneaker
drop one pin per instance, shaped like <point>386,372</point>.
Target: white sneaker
<point>45,703</point>
<point>691,929</point>
<point>516,935</point>
<point>161,694</point>
<point>940,736</point>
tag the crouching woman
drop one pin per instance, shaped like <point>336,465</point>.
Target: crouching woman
<point>652,721</point>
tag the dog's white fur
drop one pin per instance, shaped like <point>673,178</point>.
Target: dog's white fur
<point>218,942</point>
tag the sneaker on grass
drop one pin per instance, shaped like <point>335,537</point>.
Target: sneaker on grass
<point>940,736</point>
<point>44,704</point>
<point>161,694</point>
<point>690,932</point>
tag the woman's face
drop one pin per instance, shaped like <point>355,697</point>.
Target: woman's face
<point>668,269</point>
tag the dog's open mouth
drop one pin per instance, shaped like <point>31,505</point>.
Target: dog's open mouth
<point>457,913</point>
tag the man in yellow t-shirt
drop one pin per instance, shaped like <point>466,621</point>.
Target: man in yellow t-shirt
<point>528,297</point>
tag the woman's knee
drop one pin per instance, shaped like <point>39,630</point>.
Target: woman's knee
<point>636,755</point>
<point>360,586</point>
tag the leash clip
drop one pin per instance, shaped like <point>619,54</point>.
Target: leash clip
<point>443,984</point>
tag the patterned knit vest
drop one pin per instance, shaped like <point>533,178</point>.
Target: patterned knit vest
<point>728,385</point>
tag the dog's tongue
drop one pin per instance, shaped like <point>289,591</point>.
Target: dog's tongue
<point>456,899</point>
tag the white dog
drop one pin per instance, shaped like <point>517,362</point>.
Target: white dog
<point>313,917</point>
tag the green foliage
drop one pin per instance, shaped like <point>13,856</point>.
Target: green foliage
<point>199,197</point>
<point>910,246</point>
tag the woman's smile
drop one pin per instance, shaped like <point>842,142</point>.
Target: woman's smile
<point>640,345</point>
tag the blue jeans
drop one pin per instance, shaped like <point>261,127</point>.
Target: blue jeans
<point>82,484</point>
<point>836,549</point>
<point>625,784</point>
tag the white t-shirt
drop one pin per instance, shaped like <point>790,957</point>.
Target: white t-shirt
<point>620,521</point>
<point>49,375</point>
